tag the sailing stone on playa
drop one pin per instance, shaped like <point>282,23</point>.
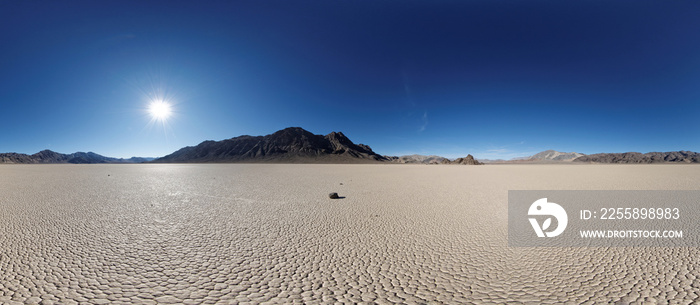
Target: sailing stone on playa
<point>333,196</point>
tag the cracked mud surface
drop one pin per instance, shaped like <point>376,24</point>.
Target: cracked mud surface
<point>228,234</point>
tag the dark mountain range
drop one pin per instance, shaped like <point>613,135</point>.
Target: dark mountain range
<point>52,157</point>
<point>292,144</point>
<point>635,157</point>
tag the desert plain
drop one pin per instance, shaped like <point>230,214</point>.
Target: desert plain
<point>268,233</point>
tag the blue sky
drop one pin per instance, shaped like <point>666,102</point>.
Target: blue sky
<point>496,79</point>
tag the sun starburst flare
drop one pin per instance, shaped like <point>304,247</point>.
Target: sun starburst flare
<point>160,110</point>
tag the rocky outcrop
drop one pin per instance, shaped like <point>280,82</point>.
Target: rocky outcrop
<point>468,160</point>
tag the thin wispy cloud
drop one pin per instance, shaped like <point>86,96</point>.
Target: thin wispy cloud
<point>504,152</point>
<point>499,151</point>
<point>424,119</point>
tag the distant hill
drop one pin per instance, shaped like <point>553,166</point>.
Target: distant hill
<point>494,161</point>
<point>416,159</point>
<point>553,155</point>
<point>292,144</point>
<point>635,157</point>
<point>547,156</point>
<point>52,157</point>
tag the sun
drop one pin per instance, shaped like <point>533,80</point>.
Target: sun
<point>160,110</point>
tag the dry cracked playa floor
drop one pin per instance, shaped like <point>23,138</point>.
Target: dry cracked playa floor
<point>229,234</point>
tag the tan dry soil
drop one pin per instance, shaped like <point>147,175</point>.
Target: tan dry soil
<point>224,234</point>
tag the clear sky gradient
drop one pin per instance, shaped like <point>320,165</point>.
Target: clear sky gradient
<point>496,79</point>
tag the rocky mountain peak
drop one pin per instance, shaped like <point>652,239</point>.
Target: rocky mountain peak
<point>293,144</point>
